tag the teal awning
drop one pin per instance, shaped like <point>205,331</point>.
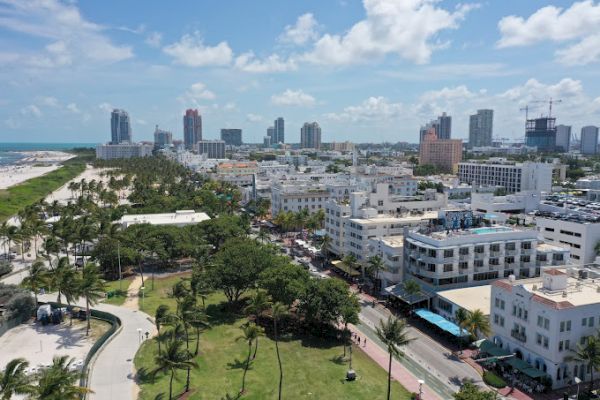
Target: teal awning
<point>441,322</point>
<point>490,348</point>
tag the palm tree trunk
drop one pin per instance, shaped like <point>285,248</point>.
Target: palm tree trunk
<point>197,341</point>
<point>87,316</point>
<point>171,385</point>
<point>255,348</point>
<point>158,338</point>
<point>246,369</point>
<point>591,379</point>
<point>389,388</point>
<point>278,360</point>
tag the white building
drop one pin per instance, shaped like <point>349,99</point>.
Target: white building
<point>123,150</point>
<point>580,236</point>
<point>542,320</point>
<point>522,202</point>
<point>515,177</point>
<point>445,259</point>
<point>294,196</point>
<point>178,218</point>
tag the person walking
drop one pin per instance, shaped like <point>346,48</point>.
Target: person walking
<point>359,340</point>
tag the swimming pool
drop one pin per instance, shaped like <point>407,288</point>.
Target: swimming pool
<point>479,231</point>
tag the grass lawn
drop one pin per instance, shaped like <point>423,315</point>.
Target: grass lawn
<point>119,294</point>
<point>312,367</point>
<point>17,197</point>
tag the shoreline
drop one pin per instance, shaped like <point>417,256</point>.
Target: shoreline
<point>34,164</point>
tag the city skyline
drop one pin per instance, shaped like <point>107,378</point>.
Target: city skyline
<point>307,63</point>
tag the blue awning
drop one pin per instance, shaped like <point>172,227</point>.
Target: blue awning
<point>441,322</point>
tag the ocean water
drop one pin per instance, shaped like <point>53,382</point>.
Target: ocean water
<point>9,152</point>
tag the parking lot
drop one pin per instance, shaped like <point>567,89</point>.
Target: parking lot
<point>39,344</point>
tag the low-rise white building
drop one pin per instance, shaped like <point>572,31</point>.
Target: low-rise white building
<point>391,251</point>
<point>522,202</point>
<point>295,196</point>
<point>178,218</point>
<point>123,150</point>
<point>515,177</point>
<point>580,236</point>
<point>542,320</point>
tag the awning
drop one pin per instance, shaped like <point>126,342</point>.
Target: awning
<point>441,322</point>
<point>345,268</point>
<point>534,373</point>
<point>398,292</point>
<point>490,348</point>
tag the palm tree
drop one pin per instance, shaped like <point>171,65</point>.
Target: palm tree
<point>198,320</point>
<point>348,316</point>
<point>478,323</point>
<point>462,316</point>
<point>393,335</point>
<point>326,246</point>
<point>172,359</point>
<point>259,303</point>
<point>411,289</point>
<point>588,353</point>
<point>63,279</point>
<point>37,279</point>
<point>375,266</point>
<point>161,312</point>
<point>278,310</point>
<point>13,379</point>
<point>59,381</point>
<point>92,288</point>
<point>263,235</point>
<point>251,333</point>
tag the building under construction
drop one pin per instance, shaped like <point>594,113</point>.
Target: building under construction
<point>541,133</point>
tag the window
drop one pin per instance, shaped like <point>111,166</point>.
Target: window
<point>510,246</point>
<point>479,249</point>
<point>495,247</point>
<point>464,251</point>
<point>448,253</point>
<point>584,322</point>
<point>526,245</point>
<point>448,268</point>
<point>509,260</point>
<point>478,263</point>
<point>591,321</point>
<point>463,265</point>
<point>525,259</point>
<point>569,326</point>
<point>494,261</point>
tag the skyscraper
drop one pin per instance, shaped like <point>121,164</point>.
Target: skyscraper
<point>481,128</point>
<point>541,133</point>
<point>445,126</point>
<point>563,138</point>
<point>589,140</point>
<point>120,127</point>
<point>162,138</point>
<point>310,136</point>
<point>231,137</point>
<point>192,128</point>
<point>278,131</point>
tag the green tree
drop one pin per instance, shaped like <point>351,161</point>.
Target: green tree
<point>324,300</point>
<point>470,391</point>
<point>393,335</point>
<point>349,315</point>
<point>588,353</point>
<point>284,283</point>
<point>14,380</point>
<point>376,265</point>
<point>63,279</point>
<point>478,323</point>
<point>172,359</point>
<point>159,317</point>
<point>92,288</point>
<point>37,278</point>
<point>251,333</point>
<point>461,316</point>
<point>278,311</point>
<point>258,304</point>
<point>59,381</point>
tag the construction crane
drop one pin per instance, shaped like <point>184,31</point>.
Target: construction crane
<point>526,109</point>
<point>550,102</point>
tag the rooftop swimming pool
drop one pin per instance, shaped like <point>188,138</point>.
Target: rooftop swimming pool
<point>498,229</point>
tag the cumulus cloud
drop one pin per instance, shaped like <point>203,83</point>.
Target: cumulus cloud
<point>406,28</point>
<point>191,51</point>
<point>373,109</point>
<point>304,31</point>
<point>293,98</point>
<point>248,62</point>
<point>577,24</point>
<point>48,101</point>
<point>72,107</point>
<point>106,107</point>
<point>196,93</point>
<point>31,109</point>
<point>254,118</point>
<point>69,36</point>
<point>154,39</point>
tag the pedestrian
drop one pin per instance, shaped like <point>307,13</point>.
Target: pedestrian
<point>365,343</point>
<point>359,340</point>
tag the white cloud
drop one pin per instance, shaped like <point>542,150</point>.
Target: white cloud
<point>374,110</point>
<point>71,38</point>
<point>196,94</point>
<point>31,110</point>
<point>231,106</point>
<point>72,107</point>
<point>141,121</point>
<point>254,118</point>
<point>303,31</point>
<point>248,62</point>
<point>154,39</point>
<point>406,28</point>
<point>192,52</point>
<point>577,23</point>
<point>106,107</point>
<point>293,98</point>
<point>48,101</point>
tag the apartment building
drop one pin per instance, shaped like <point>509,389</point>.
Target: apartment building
<point>391,251</point>
<point>542,320</point>
<point>298,195</point>
<point>123,150</point>
<point>449,258</point>
<point>515,177</point>
<point>579,235</point>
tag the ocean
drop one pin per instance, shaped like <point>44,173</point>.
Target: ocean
<point>9,152</point>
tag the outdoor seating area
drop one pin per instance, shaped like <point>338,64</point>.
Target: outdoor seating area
<point>441,323</point>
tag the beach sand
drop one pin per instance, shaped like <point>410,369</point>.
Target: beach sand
<point>34,164</point>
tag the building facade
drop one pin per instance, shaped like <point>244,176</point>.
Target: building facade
<point>120,127</point>
<point>515,177</point>
<point>444,154</point>
<point>580,236</point>
<point>162,138</point>
<point>295,196</point>
<point>541,133</point>
<point>481,127</point>
<point>310,136</point>
<point>192,128</point>
<point>212,148</point>
<point>563,138</point>
<point>123,150</point>
<point>445,127</point>
<point>589,140</point>
<point>231,137</point>
<point>278,131</point>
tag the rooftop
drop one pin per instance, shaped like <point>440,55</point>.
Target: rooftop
<point>178,217</point>
<point>392,219</point>
<point>471,298</point>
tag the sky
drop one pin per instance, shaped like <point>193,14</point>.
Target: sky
<point>367,71</point>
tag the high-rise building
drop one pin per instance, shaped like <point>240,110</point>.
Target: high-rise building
<point>231,137</point>
<point>445,127</point>
<point>541,133</point>
<point>589,140</point>
<point>162,138</point>
<point>563,138</point>
<point>278,131</point>
<point>120,127</point>
<point>192,128</point>
<point>444,154</point>
<point>212,148</point>
<point>310,136</point>
<point>481,128</point>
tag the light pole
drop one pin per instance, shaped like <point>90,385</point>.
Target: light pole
<point>142,289</point>
<point>421,382</point>
<point>577,381</point>
<point>139,331</point>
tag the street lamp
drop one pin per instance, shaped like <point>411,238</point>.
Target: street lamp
<point>139,331</point>
<point>577,381</point>
<point>421,382</point>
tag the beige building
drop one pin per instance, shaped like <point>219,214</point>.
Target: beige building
<point>445,154</point>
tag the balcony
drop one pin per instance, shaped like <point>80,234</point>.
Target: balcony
<point>520,336</point>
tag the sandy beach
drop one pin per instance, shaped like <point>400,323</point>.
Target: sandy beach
<point>34,164</point>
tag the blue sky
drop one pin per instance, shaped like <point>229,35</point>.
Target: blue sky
<point>366,71</point>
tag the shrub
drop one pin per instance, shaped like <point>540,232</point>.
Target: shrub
<point>493,380</point>
<point>21,306</point>
<point>5,268</point>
